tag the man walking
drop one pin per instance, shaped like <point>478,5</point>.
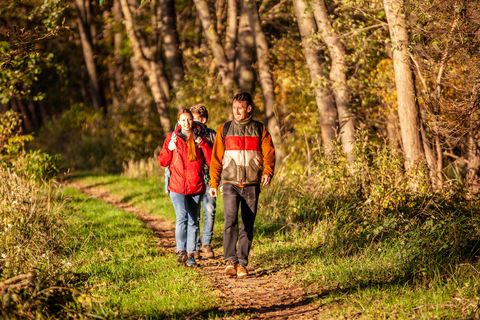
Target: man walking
<point>200,115</point>
<point>243,158</point>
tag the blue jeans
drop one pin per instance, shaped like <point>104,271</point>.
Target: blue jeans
<point>209,206</point>
<point>187,209</point>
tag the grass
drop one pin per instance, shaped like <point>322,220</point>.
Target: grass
<point>378,280</point>
<point>126,275</point>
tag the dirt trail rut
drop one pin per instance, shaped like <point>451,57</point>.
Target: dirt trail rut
<point>264,294</point>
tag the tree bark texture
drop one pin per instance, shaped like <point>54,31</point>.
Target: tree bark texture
<point>323,96</point>
<point>88,54</point>
<point>407,109</point>
<point>473,166</point>
<point>266,78</point>
<point>148,67</point>
<point>244,73</point>
<point>214,43</point>
<point>231,34</point>
<point>170,41</point>
<point>338,76</point>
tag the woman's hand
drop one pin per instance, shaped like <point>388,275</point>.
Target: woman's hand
<point>171,145</point>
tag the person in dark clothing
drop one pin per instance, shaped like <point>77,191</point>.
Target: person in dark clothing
<point>243,159</point>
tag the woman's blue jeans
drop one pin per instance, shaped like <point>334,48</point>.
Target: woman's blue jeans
<point>187,209</point>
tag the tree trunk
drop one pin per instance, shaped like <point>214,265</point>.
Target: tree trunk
<point>407,108</point>
<point>231,34</point>
<point>19,106</point>
<point>244,72</point>
<point>338,77</point>
<point>214,43</point>
<point>220,15</point>
<point>149,67</point>
<point>113,37</point>
<point>266,79</point>
<point>323,96</point>
<point>171,47</point>
<point>473,167</point>
<point>88,54</point>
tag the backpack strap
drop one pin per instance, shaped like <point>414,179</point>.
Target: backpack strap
<point>226,126</point>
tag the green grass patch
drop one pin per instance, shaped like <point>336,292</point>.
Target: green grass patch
<point>148,194</point>
<point>354,270</point>
<point>126,276</point>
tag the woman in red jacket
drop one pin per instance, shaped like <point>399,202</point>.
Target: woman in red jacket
<point>184,152</point>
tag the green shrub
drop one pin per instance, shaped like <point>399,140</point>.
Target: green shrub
<point>31,239</point>
<point>370,204</point>
<point>89,141</point>
<point>34,164</point>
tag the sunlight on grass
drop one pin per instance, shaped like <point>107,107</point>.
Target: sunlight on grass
<point>149,195</point>
<point>378,280</point>
<point>126,275</point>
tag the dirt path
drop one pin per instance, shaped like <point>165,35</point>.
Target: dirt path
<point>265,294</point>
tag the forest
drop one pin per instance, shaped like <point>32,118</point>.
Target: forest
<point>374,110</point>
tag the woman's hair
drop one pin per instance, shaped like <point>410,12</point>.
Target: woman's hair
<point>192,152</point>
<point>200,109</point>
<point>182,111</point>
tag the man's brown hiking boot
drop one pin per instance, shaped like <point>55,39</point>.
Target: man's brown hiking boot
<point>207,251</point>
<point>231,269</point>
<point>242,271</point>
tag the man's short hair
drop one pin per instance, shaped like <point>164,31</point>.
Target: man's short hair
<point>200,109</point>
<point>244,96</point>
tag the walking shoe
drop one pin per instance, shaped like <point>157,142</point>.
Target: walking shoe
<point>196,255</point>
<point>242,271</point>
<point>181,257</point>
<point>191,260</point>
<point>231,269</point>
<point>207,251</point>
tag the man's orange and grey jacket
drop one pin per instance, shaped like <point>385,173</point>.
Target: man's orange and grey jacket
<point>242,154</point>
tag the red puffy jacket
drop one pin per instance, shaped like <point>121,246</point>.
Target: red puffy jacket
<point>186,177</point>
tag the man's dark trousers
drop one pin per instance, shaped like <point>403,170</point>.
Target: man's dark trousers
<point>246,199</point>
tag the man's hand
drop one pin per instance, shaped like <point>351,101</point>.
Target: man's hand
<point>213,192</point>
<point>266,180</point>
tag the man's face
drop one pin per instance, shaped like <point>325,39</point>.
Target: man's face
<point>240,110</point>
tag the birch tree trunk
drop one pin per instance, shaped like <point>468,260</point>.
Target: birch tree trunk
<point>323,96</point>
<point>266,79</point>
<point>245,74</point>
<point>473,166</point>
<point>149,67</point>
<point>170,41</point>
<point>88,54</point>
<point>231,34</point>
<point>407,109</point>
<point>220,15</point>
<point>214,43</point>
<point>338,76</point>
<point>113,36</point>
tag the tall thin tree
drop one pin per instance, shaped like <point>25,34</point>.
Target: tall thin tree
<point>407,108</point>
<point>338,76</point>
<point>265,77</point>
<point>323,95</point>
